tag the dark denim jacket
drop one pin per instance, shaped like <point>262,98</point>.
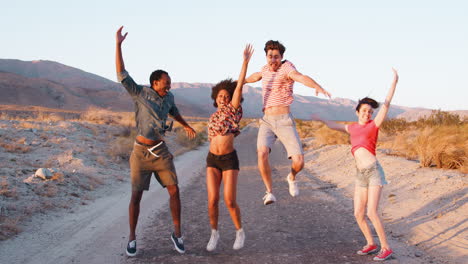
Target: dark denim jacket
<point>151,109</point>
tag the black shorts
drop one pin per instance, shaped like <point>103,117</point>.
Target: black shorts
<point>223,162</point>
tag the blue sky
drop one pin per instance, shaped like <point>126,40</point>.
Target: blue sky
<point>348,47</point>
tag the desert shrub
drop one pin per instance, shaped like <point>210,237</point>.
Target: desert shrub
<point>6,189</point>
<point>327,136</point>
<point>122,146</point>
<point>307,129</point>
<point>439,118</point>
<point>47,189</point>
<point>443,146</point>
<point>183,140</point>
<point>49,116</point>
<point>14,147</point>
<point>104,116</point>
<point>391,126</point>
<point>8,227</point>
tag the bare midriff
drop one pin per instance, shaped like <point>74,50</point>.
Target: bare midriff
<point>364,158</point>
<point>277,110</point>
<point>147,141</point>
<point>222,144</point>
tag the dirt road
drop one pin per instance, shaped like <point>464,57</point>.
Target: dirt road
<point>315,227</point>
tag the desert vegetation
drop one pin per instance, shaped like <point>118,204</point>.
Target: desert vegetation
<point>439,140</point>
<point>85,151</point>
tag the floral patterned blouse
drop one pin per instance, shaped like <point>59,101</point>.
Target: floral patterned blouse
<point>225,120</point>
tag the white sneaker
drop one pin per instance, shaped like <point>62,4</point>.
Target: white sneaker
<point>268,198</point>
<point>240,237</point>
<point>293,189</point>
<point>213,240</point>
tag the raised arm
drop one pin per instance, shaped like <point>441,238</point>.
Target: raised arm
<point>254,77</point>
<point>119,63</point>
<point>382,114</point>
<point>309,82</point>
<point>331,124</point>
<point>236,97</point>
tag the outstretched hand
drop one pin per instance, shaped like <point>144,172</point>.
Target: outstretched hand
<point>190,132</point>
<point>119,37</point>
<point>248,51</point>
<point>320,90</point>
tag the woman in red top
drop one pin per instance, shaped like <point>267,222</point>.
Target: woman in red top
<point>370,177</point>
<point>222,162</point>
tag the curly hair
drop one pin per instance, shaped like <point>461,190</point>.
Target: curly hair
<point>274,45</point>
<point>229,85</point>
<point>374,104</point>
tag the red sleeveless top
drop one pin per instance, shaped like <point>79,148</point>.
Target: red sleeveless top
<point>363,136</point>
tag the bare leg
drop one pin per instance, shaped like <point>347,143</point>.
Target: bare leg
<point>297,165</point>
<point>134,212</point>
<point>372,206</point>
<point>230,196</point>
<point>213,181</point>
<point>360,203</point>
<point>174,202</point>
<point>264,167</point>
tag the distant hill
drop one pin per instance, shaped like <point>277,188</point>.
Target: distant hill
<point>303,106</point>
<point>54,85</point>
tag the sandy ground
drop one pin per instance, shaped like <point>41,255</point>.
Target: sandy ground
<point>424,210</point>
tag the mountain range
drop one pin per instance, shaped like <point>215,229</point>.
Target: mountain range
<point>54,85</point>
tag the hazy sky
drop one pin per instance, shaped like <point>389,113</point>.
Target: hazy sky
<point>348,47</point>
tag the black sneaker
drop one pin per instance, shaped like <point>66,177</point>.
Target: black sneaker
<point>131,248</point>
<point>178,243</point>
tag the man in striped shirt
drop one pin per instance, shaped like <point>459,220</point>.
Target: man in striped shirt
<point>278,77</point>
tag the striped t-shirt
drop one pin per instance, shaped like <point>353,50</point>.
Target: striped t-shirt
<point>277,87</point>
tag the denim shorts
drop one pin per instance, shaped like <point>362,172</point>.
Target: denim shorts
<point>145,160</point>
<point>223,162</point>
<point>282,127</point>
<point>371,176</point>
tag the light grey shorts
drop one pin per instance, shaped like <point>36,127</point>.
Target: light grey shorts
<point>158,161</point>
<point>371,176</point>
<point>282,127</point>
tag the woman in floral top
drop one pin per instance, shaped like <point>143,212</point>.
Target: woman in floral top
<point>222,162</point>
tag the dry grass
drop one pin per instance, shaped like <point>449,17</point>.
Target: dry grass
<point>101,160</point>
<point>29,125</point>
<point>103,116</point>
<point>47,189</point>
<point>327,136</point>
<point>14,147</point>
<point>6,190</point>
<point>8,227</point>
<point>122,146</point>
<point>49,117</point>
<point>439,140</point>
<point>200,138</point>
<point>443,147</point>
<point>322,133</point>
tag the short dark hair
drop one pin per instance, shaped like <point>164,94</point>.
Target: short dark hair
<point>374,104</point>
<point>229,85</point>
<point>156,76</point>
<point>274,45</point>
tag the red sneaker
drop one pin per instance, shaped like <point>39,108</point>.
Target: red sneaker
<point>384,254</point>
<point>367,250</point>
